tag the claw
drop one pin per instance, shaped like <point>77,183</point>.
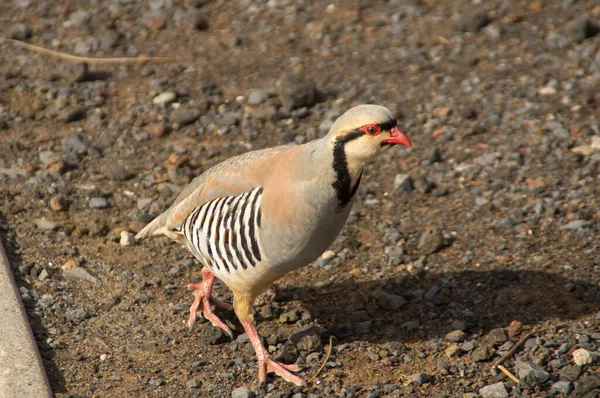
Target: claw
<point>202,293</point>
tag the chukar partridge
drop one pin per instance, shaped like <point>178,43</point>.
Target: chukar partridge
<point>255,217</point>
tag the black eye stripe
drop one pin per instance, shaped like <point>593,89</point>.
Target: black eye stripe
<point>387,125</point>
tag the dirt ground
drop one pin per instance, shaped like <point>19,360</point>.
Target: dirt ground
<point>491,217</point>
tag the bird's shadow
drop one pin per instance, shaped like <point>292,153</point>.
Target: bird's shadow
<point>437,303</point>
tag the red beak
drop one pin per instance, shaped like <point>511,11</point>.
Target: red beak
<point>397,137</point>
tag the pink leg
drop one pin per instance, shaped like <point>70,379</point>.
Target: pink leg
<point>266,364</point>
<point>202,292</point>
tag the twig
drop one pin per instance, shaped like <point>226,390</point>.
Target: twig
<point>89,60</point>
<point>507,372</point>
<point>325,360</point>
<point>513,349</point>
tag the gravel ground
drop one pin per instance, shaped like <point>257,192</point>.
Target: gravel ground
<point>484,233</point>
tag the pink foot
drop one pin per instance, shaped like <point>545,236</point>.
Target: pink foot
<point>202,293</point>
<point>266,364</point>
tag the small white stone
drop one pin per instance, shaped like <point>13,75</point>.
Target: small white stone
<point>103,357</point>
<point>164,98</point>
<point>127,238</point>
<point>548,90</point>
<point>582,357</point>
<point>328,254</point>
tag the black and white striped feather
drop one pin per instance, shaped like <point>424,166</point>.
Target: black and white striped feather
<point>224,233</point>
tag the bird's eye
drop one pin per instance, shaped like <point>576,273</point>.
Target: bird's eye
<point>372,129</point>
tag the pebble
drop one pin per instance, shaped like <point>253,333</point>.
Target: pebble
<point>77,316</point>
<point>193,383</point>
<point>127,238</point>
<point>576,224</point>
<point>257,96</point>
<point>471,21</point>
<point>289,317</point>
<point>387,301</point>
<point>467,346</point>
<point>185,116</point>
<point>582,357</point>
<point>497,390</point>
<point>58,203</point>
<point>531,373</point>
<point>496,337</point>
<point>296,90</point>
<point>79,273</point>
<point>164,98</point>
<point>420,378</point>
<point>156,382</point>
<point>453,351</point>
<point>481,354</point>
<point>75,143</point>
<point>403,183</point>
<point>99,203</point>
<point>561,387</point>
<point>411,325</point>
<point>19,31</point>
<point>46,225</point>
<point>242,392</point>
<point>431,241</point>
<point>307,338</point>
<point>456,336</point>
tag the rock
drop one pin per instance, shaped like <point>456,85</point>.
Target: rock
<point>99,203</point>
<point>471,21</point>
<point>307,338</point>
<point>387,301</point>
<point>155,20</point>
<point>570,372</point>
<point>403,183</point>
<point>531,373</point>
<point>296,90</point>
<point>164,98</point>
<point>576,224</point>
<point>185,116</point>
<point>363,327</point>
<point>561,387</point>
<point>75,143</point>
<point>58,203</point>
<point>127,238</point>
<point>77,316</point>
<point>582,357</point>
<point>497,390</point>
<point>431,241</point>
<point>411,325</point>
<point>481,354</point>
<point>496,337</point>
<point>467,346</point>
<point>514,328</point>
<point>289,317</point>
<point>156,382</point>
<point>432,292</point>
<point>212,335</point>
<point>242,392</point>
<point>256,96</point>
<point>455,336</point>
<point>453,351</point>
<point>193,383</point>
<point>79,273</point>
<point>589,383</point>
<point>45,224</point>
<point>43,275</point>
<point>19,31</point>
<point>118,172</point>
<point>420,378</point>
<point>72,114</point>
<point>580,29</point>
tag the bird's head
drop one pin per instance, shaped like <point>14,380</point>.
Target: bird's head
<point>363,131</point>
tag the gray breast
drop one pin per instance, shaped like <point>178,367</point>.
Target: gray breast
<point>223,234</point>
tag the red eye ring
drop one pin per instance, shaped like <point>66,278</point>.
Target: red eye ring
<point>371,129</point>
